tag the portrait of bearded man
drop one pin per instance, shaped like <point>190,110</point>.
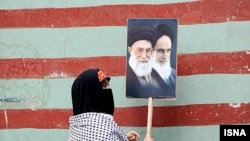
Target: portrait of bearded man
<point>142,80</point>
<point>162,56</point>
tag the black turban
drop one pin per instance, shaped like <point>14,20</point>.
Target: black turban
<point>163,29</point>
<point>88,94</point>
<point>142,32</point>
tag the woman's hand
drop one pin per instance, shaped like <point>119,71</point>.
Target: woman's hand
<point>132,136</point>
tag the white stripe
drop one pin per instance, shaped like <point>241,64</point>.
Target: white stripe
<point>217,37</point>
<point>111,41</point>
<point>196,89</point>
<point>64,42</point>
<point>25,4</point>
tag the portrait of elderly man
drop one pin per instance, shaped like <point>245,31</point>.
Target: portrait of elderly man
<point>162,57</point>
<point>142,81</point>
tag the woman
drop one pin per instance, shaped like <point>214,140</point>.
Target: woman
<point>93,108</point>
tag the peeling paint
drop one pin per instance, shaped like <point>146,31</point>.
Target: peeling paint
<point>11,99</point>
<point>217,115</point>
<point>56,75</point>
<point>234,18</point>
<point>235,105</point>
<point>34,104</point>
<point>246,66</point>
<point>6,118</point>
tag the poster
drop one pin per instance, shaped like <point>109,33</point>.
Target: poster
<point>151,58</point>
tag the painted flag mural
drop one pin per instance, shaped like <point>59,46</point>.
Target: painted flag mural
<point>45,44</point>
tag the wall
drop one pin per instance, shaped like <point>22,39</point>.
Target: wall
<point>45,44</point>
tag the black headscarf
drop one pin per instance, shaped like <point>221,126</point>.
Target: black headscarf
<point>89,96</point>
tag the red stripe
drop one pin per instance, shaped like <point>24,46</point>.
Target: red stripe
<point>206,11</point>
<point>188,64</point>
<point>189,115</point>
<point>70,67</point>
<point>214,63</point>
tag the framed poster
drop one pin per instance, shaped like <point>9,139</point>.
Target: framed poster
<point>151,58</point>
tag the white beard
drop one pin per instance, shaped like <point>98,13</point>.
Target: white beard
<point>163,70</point>
<point>139,68</point>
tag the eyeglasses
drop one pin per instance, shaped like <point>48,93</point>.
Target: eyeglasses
<point>140,51</point>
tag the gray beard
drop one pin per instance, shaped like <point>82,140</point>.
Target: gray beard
<point>163,70</point>
<point>140,69</point>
